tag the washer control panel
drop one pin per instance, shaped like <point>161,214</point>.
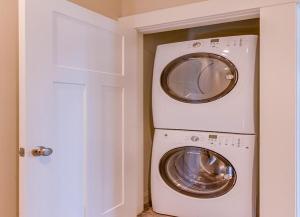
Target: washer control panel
<point>206,139</point>
<point>234,141</point>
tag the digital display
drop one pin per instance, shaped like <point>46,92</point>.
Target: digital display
<point>212,136</point>
<point>216,40</point>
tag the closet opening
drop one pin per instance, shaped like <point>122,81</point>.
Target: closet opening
<point>150,43</point>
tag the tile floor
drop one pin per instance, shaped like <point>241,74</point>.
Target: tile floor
<point>150,213</point>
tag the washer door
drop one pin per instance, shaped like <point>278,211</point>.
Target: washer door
<point>199,77</point>
<point>197,172</point>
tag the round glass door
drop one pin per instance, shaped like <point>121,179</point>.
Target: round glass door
<point>197,172</point>
<point>199,77</point>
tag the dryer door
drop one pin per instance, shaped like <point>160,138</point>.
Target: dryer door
<point>199,77</point>
<point>197,172</point>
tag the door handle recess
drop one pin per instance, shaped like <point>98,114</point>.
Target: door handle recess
<point>41,151</point>
<point>229,173</point>
<point>229,77</point>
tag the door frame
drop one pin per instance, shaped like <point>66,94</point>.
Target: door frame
<point>275,128</point>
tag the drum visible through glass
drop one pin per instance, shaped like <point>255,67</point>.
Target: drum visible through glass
<point>199,77</point>
<point>197,172</point>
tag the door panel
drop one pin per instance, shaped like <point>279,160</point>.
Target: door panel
<point>75,100</point>
<point>112,124</point>
<point>68,156</point>
<point>72,35</point>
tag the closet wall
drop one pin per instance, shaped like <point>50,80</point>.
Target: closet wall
<point>109,8</point>
<point>151,41</point>
<point>120,8</point>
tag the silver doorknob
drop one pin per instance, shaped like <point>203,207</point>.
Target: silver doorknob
<point>41,151</point>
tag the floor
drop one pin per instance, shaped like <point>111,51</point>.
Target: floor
<point>150,213</point>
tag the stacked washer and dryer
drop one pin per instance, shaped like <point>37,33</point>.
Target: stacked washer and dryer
<point>205,116</point>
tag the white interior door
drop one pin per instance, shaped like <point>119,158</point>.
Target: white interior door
<point>77,100</point>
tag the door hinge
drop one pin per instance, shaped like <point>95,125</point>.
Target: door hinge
<point>21,152</point>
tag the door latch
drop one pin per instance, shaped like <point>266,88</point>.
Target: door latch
<point>22,152</point>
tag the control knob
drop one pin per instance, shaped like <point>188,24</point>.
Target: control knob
<point>195,138</point>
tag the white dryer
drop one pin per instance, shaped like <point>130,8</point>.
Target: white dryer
<point>206,85</point>
<point>199,174</point>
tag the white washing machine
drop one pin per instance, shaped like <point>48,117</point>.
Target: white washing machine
<point>206,85</point>
<point>202,174</point>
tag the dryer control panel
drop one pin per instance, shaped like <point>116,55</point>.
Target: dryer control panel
<point>218,42</point>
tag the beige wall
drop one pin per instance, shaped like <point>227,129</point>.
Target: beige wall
<point>8,107</point>
<point>117,8</point>
<point>130,7</point>
<point>109,8</point>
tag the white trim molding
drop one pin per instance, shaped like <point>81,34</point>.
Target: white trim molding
<point>198,14</point>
